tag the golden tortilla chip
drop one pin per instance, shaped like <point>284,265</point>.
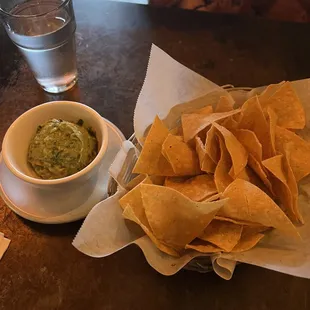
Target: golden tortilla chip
<point>281,189</point>
<point>182,158</point>
<point>238,222</point>
<point>133,208</point>
<point>194,123</point>
<point>244,175</point>
<point>135,181</point>
<point>292,184</point>
<point>299,151</point>
<point>130,215</point>
<point>249,140</point>
<point>133,200</point>
<point>272,119</point>
<point>287,107</point>
<point>175,139</point>
<point>287,187</point>
<point>151,161</point>
<point>268,92</point>
<point>229,123</point>
<point>221,175</point>
<point>258,169</point>
<point>157,179</point>
<point>238,153</point>
<point>224,235</point>
<point>275,166</point>
<point>253,119</point>
<point>203,247</point>
<point>248,203</point>
<point>187,107</point>
<point>176,131</point>
<point>225,104</point>
<point>173,217</point>
<point>212,198</point>
<point>249,175</point>
<point>197,188</point>
<point>212,145</point>
<point>205,110</point>
<point>247,241</point>
<point>206,163</point>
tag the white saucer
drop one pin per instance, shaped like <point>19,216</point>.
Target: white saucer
<point>26,201</point>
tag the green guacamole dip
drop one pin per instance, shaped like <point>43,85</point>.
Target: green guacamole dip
<point>61,148</point>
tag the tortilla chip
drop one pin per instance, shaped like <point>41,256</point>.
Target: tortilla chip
<point>176,131</point>
<point>287,107</point>
<point>212,145</point>
<point>197,188</point>
<point>203,247</point>
<point>224,235</point>
<point>255,179</point>
<point>173,217</point>
<point>238,153</point>
<point>229,123</point>
<point>268,92</point>
<point>250,142</point>
<point>133,200</point>
<point>135,181</point>
<point>212,198</point>
<point>272,119</point>
<point>247,242</point>
<point>248,203</point>
<point>205,110</point>
<point>182,158</point>
<point>249,175</point>
<point>130,215</point>
<point>275,166</point>
<point>299,151</point>
<point>225,104</point>
<point>206,163</point>
<point>133,208</point>
<point>157,180</point>
<point>238,222</point>
<point>175,139</point>
<point>258,169</point>
<point>253,119</point>
<point>292,184</point>
<point>242,175</point>
<point>151,161</point>
<point>221,175</point>
<point>187,107</point>
<point>281,189</point>
<point>194,123</point>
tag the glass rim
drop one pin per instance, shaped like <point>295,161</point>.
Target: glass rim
<point>35,15</point>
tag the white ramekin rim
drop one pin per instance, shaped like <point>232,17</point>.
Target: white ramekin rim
<point>36,181</point>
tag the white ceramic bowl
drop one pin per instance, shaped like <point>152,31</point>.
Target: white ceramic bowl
<point>17,138</point>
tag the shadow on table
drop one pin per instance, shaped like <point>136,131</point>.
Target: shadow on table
<point>74,94</point>
<point>68,229</point>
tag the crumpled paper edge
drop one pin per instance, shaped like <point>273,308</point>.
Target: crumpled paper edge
<point>165,98</point>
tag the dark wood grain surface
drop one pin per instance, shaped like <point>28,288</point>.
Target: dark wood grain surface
<point>41,269</point>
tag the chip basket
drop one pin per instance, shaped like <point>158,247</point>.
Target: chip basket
<point>201,264</point>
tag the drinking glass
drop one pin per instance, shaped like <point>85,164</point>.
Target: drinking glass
<point>44,32</point>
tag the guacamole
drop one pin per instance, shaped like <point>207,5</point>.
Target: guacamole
<point>61,148</point>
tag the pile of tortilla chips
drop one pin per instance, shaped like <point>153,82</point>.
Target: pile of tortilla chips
<point>224,178</point>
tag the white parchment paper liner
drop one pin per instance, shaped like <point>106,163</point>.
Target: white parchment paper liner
<point>167,85</point>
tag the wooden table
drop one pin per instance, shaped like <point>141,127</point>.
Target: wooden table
<point>41,269</point>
